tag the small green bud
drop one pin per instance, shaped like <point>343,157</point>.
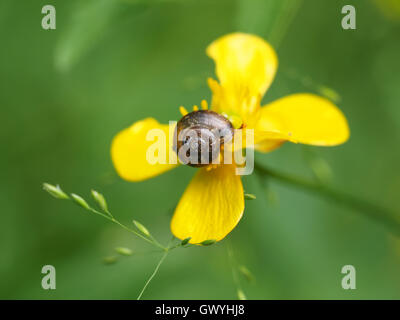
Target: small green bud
<point>246,273</point>
<point>110,260</point>
<point>80,201</point>
<point>249,196</point>
<point>185,241</point>
<point>142,228</point>
<point>55,191</point>
<point>208,242</point>
<point>241,295</point>
<point>124,251</point>
<point>100,200</point>
<point>330,94</point>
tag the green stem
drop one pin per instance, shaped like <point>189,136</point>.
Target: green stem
<point>287,12</point>
<point>167,250</point>
<point>389,219</point>
<point>233,266</point>
<point>112,219</point>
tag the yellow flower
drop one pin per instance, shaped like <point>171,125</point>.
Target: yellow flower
<point>213,203</point>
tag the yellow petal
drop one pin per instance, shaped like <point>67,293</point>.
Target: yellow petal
<point>143,150</point>
<point>269,145</point>
<point>244,60</point>
<point>303,118</point>
<point>243,138</point>
<point>211,206</point>
<point>245,66</point>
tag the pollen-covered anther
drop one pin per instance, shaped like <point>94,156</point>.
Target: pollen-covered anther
<point>211,167</point>
<point>183,111</point>
<point>204,105</point>
<point>236,121</point>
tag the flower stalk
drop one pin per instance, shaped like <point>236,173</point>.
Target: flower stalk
<point>375,212</point>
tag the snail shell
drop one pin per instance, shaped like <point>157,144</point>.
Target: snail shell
<point>199,137</point>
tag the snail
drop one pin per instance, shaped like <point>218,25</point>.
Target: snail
<point>200,136</point>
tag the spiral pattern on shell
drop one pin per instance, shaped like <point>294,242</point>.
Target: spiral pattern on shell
<point>200,136</point>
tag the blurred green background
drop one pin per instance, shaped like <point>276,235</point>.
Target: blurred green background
<point>66,92</point>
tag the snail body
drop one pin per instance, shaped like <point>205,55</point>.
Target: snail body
<point>199,137</point>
